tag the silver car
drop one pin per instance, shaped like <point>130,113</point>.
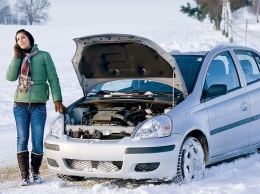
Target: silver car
<point>148,114</point>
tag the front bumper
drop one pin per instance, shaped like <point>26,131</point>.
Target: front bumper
<point>144,159</point>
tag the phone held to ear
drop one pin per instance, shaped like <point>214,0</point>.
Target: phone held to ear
<point>19,48</point>
<point>18,51</point>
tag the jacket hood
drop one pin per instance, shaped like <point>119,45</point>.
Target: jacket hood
<point>108,57</point>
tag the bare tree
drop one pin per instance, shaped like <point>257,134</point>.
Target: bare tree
<point>255,8</point>
<point>3,3</point>
<point>212,9</point>
<point>227,19</point>
<point>5,12</point>
<point>33,10</point>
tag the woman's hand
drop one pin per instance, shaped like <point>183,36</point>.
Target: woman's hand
<point>59,107</point>
<point>18,52</point>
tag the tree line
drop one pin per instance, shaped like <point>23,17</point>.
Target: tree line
<point>24,12</point>
<point>213,9</point>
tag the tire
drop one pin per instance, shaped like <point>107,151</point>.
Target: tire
<point>70,178</point>
<point>191,161</point>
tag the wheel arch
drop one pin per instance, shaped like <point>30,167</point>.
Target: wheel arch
<point>199,135</point>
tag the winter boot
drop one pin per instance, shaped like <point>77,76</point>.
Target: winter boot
<point>36,161</point>
<point>23,162</point>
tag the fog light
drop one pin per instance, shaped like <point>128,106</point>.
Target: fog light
<point>146,167</point>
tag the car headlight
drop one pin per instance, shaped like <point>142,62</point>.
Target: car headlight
<point>159,126</point>
<point>57,126</point>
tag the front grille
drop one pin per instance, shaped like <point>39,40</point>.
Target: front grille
<point>52,162</point>
<point>94,166</point>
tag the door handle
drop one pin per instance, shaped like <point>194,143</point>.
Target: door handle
<point>244,106</point>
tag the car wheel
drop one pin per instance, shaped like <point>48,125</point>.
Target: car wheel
<point>191,162</point>
<point>70,178</point>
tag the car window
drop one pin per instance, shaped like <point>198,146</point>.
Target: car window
<point>257,58</point>
<point>189,66</point>
<point>221,71</point>
<point>249,65</point>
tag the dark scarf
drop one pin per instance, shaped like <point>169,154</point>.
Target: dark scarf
<point>25,75</point>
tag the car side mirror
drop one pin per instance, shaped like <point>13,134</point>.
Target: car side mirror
<point>216,90</point>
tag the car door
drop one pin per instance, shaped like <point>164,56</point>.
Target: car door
<point>250,63</point>
<point>228,113</point>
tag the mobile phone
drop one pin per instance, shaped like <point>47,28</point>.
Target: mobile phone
<point>19,48</point>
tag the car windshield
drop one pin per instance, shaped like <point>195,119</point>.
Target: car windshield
<point>189,66</point>
<point>130,85</point>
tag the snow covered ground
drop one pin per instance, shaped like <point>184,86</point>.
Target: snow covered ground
<point>239,176</point>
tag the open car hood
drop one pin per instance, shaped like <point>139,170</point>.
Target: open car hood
<point>108,57</point>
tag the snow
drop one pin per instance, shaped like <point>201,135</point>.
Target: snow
<point>239,176</point>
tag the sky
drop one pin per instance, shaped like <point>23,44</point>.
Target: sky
<point>119,12</point>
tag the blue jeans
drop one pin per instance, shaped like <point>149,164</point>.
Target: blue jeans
<point>24,117</point>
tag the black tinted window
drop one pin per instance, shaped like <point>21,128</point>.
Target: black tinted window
<point>189,67</point>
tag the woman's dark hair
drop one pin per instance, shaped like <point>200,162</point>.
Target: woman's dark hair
<point>28,34</point>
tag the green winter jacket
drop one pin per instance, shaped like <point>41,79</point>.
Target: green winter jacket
<point>42,70</point>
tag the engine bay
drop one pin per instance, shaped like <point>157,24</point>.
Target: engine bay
<point>111,119</point>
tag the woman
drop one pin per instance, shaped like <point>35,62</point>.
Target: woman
<point>33,68</point>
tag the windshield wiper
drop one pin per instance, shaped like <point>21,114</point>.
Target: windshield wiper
<point>103,92</point>
<point>149,93</point>
<point>162,93</point>
<point>94,92</point>
<point>136,92</point>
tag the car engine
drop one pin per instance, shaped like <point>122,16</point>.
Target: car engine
<point>110,120</point>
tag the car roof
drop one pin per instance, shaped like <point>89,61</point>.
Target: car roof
<point>198,53</point>
<point>203,53</point>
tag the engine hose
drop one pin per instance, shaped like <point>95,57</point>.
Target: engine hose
<point>122,118</point>
<point>134,113</point>
<point>92,112</point>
